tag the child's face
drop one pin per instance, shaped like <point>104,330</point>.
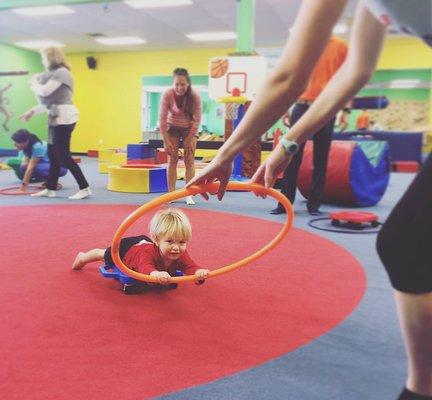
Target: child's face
<point>172,248</point>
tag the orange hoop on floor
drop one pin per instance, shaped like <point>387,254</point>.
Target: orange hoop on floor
<point>178,194</point>
<point>15,190</point>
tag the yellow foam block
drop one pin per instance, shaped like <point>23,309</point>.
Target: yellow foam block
<point>205,153</point>
<point>103,167</point>
<point>105,155</point>
<point>130,180</point>
<point>264,155</point>
<point>4,166</point>
<point>119,158</point>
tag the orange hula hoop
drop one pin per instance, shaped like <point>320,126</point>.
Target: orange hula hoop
<point>193,190</point>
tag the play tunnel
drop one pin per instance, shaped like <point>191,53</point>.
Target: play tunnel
<point>357,172</point>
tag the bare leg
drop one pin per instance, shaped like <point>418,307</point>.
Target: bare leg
<point>415,315</point>
<point>189,160</point>
<point>90,256</point>
<point>172,164</point>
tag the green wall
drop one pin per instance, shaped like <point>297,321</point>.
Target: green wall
<point>19,98</point>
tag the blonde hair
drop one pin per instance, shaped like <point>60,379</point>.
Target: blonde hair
<point>170,222</point>
<point>55,58</point>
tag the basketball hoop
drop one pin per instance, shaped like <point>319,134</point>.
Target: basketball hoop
<point>233,103</point>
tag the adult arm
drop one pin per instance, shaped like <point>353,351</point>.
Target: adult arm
<point>36,110</point>
<point>282,87</point>
<point>190,140</point>
<point>196,115</point>
<point>28,173</point>
<point>367,38</point>
<point>163,117</point>
<point>45,90</point>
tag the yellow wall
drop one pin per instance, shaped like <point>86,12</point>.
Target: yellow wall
<point>405,53</point>
<point>109,98</point>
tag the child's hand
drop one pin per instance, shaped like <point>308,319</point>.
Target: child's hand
<point>202,273</point>
<point>162,276</point>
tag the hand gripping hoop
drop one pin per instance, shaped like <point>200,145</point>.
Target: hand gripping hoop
<point>193,190</point>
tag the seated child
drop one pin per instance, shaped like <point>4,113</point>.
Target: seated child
<point>32,163</point>
<point>160,256</point>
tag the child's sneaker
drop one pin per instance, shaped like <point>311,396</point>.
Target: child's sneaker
<point>44,193</point>
<point>81,194</point>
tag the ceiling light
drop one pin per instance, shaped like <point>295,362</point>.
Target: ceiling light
<point>38,44</point>
<point>120,40</point>
<point>43,11</point>
<point>157,3</point>
<point>211,36</point>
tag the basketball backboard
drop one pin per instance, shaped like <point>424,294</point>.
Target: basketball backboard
<point>246,73</point>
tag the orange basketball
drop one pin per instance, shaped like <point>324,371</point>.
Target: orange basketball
<point>218,67</point>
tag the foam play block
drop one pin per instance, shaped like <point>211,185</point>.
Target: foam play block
<point>128,180</point>
<point>158,180</point>
<point>8,153</point>
<point>137,180</point>
<point>119,158</point>
<point>405,166</point>
<point>141,161</point>
<point>161,156</point>
<point>92,153</point>
<point>106,155</point>
<point>103,167</point>
<point>140,151</point>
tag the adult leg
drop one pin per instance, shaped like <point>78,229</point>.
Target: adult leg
<point>321,149</point>
<point>289,179</point>
<point>54,158</point>
<point>404,244</point>
<point>62,140</point>
<point>172,163</point>
<point>189,160</point>
<point>415,316</point>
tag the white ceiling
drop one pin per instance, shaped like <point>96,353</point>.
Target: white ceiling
<point>162,28</point>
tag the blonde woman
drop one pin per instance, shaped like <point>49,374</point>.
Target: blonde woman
<point>54,89</point>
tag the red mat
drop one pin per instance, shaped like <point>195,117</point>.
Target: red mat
<point>74,335</point>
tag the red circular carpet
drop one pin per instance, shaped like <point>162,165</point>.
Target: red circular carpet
<point>74,335</point>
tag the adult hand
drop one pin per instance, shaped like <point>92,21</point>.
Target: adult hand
<point>217,170</point>
<point>26,116</point>
<point>163,277</point>
<point>268,172</point>
<point>189,144</point>
<point>23,188</point>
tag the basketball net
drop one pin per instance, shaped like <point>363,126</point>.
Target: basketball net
<point>233,103</point>
<point>231,110</point>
